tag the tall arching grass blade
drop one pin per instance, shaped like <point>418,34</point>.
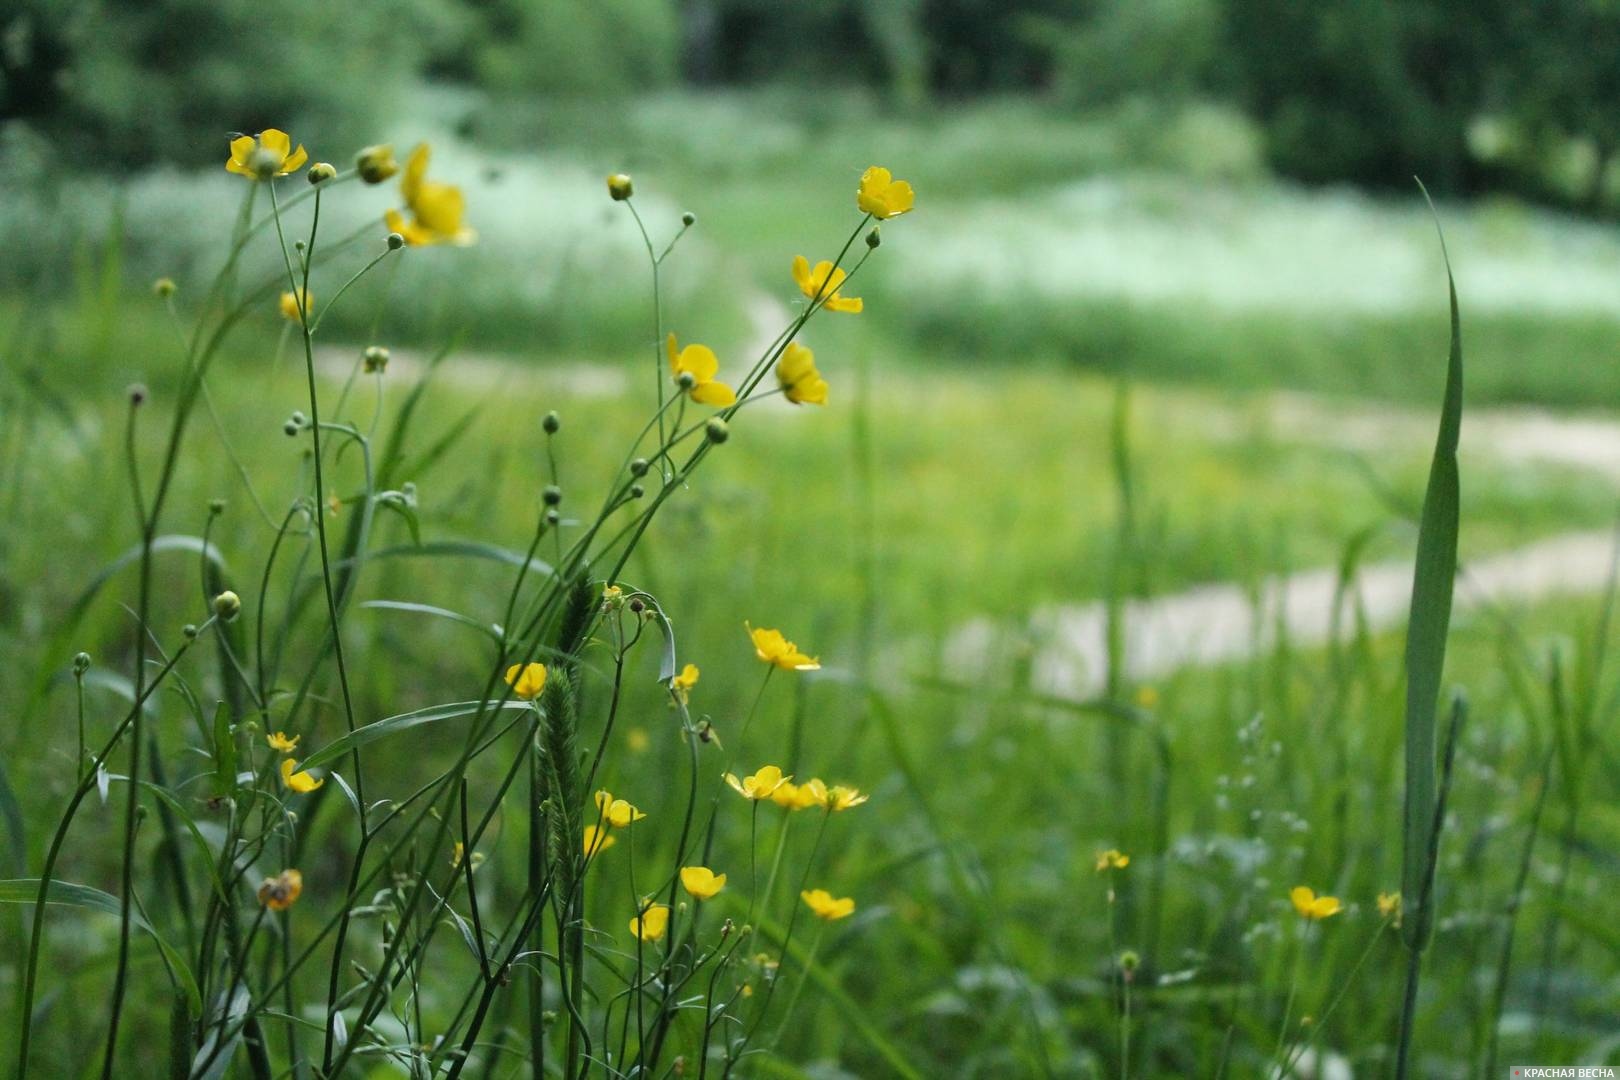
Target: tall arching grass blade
<point>1428,624</point>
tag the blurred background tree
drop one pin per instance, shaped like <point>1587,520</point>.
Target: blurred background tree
<point>1473,96</point>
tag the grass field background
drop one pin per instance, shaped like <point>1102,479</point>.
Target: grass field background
<point>965,466</point>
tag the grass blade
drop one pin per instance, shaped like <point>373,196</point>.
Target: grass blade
<point>1433,581</point>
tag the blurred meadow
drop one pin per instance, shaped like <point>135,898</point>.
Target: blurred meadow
<point>1104,539</point>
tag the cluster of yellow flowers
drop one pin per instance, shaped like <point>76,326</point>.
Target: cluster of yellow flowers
<point>436,209</point>
<point>434,213</point>
<point>695,368</point>
<point>437,216</point>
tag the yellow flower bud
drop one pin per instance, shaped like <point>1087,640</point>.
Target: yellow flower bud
<point>620,187</point>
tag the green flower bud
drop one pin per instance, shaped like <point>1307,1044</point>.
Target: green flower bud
<point>164,287</point>
<point>216,507</point>
<point>376,164</point>
<point>552,495</point>
<point>227,605</point>
<point>81,663</point>
<point>639,467</point>
<point>620,187</point>
<point>689,219</point>
<point>552,423</point>
<point>321,172</point>
<point>395,241</point>
<point>874,238</point>
<point>374,359</point>
<point>716,430</point>
<point>637,491</point>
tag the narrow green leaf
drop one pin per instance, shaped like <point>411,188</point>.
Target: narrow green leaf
<point>438,612</point>
<point>467,549</point>
<point>66,893</point>
<point>1433,579</point>
<point>393,725</point>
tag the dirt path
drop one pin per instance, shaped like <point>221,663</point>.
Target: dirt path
<point>1220,624</point>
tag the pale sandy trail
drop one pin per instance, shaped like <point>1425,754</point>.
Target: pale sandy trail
<point>1220,624</point>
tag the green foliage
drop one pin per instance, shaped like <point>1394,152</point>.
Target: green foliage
<point>114,84</point>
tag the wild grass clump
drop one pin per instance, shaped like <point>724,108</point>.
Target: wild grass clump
<point>307,893</point>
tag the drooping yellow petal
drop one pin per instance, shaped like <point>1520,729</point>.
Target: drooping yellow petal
<point>294,161</point>
<point>415,170</point>
<point>300,782</point>
<point>717,394</point>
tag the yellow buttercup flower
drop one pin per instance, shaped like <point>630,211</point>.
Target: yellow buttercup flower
<point>822,284</point>
<point>526,680</point>
<point>822,903</point>
<point>597,840</point>
<point>615,813</point>
<point>436,208</point>
<point>289,304</point>
<point>279,741</point>
<point>771,647</point>
<point>759,786</point>
<point>271,154</point>
<point>1311,906</point>
<point>801,383</point>
<point>882,196</point>
<point>278,893</point>
<point>834,798</point>
<point>795,796</point>
<point>1112,859</point>
<point>637,740</point>
<point>702,365</point>
<point>651,924</point>
<point>301,782</point>
<point>702,882</point>
<point>1389,906</point>
<point>682,684</point>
